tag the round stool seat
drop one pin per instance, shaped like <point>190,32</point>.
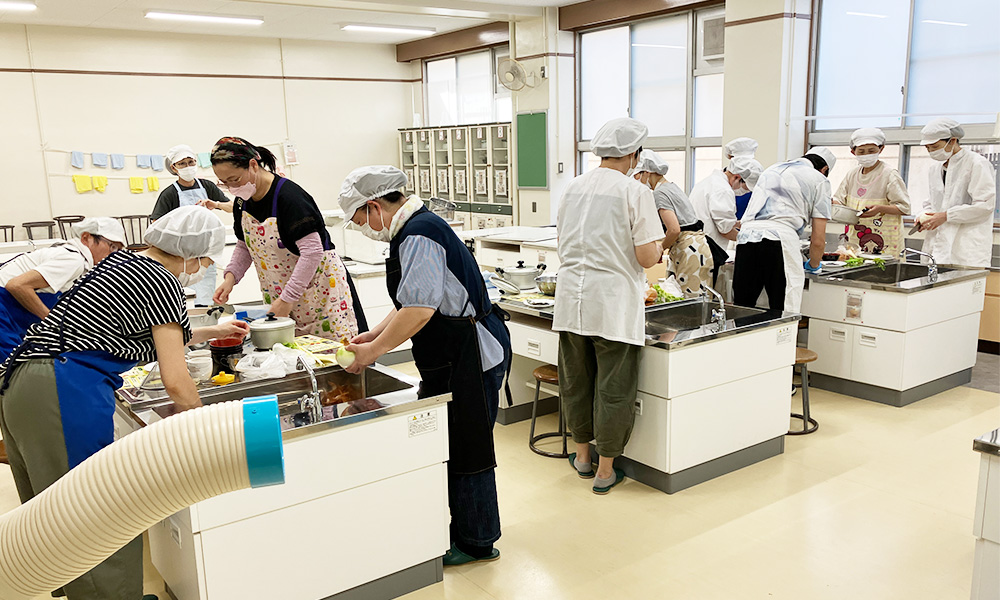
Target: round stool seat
<point>805,355</point>
<point>546,374</point>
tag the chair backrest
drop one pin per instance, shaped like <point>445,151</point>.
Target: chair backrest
<point>30,225</point>
<point>66,220</point>
<point>7,231</point>
<point>135,227</point>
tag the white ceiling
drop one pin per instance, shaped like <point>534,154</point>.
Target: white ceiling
<point>292,19</point>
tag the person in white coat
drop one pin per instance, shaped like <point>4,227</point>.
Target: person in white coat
<point>609,232</point>
<point>714,202</point>
<point>741,146</point>
<point>958,212</point>
<point>788,197</point>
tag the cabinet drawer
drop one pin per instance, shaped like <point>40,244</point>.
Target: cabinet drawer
<point>989,325</point>
<point>534,342</point>
<point>833,342</point>
<point>878,357</point>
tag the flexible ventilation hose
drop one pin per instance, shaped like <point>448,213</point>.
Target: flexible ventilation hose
<point>127,487</point>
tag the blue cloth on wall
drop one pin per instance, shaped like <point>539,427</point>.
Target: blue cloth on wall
<point>100,159</point>
<point>156,162</point>
<point>76,159</point>
<point>204,159</point>
<point>117,161</point>
<point>142,161</point>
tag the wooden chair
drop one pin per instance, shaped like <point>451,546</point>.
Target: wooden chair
<point>30,226</point>
<point>7,231</point>
<point>65,221</point>
<point>135,227</point>
<point>550,375</point>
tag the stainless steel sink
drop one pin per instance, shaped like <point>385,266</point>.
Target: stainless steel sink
<point>691,316</point>
<point>893,273</point>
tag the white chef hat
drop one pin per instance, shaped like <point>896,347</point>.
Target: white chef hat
<point>741,146</point>
<point>867,135</point>
<point>825,153</point>
<point>178,153</point>
<point>368,183</point>
<point>618,138</point>
<point>650,162</point>
<point>189,232</point>
<point>747,168</point>
<point>106,227</point>
<point>941,128</point>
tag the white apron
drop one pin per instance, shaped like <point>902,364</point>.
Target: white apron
<point>969,198</point>
<point>204,289</point>
<point>791,253</point>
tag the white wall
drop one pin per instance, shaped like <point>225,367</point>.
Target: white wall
<point>336,125</point>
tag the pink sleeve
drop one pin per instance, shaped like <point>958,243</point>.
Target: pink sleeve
<point>310,255</point>
<point>240,261</point>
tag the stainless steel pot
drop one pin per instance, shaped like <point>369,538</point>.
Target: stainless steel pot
<point>204,317</point>
<point>546,284</point>
<point>521,276</point>
<point>843,214</point>
<point>265,333</point>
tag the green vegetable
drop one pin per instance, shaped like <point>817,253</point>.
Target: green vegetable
<point>854,262</point>
<point>663,296</point>
<point>879,262</point>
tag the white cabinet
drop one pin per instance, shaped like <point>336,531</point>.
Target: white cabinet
<point>986,528</point>
<point>833,342</point>
<point>537,343</point>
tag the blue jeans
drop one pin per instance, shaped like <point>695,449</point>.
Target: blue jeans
<point>475,514</point>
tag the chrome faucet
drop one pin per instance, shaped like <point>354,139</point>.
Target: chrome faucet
<point>310,402</point>
<point>932,269</point>
<point>718,314</point>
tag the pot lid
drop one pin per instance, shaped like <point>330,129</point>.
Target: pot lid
<point>271,323</point>
<point>521,268</point>
<point>505,285</point>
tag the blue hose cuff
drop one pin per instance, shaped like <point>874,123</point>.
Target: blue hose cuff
<point>262,434</point>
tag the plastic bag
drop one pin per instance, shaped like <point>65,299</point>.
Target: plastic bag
<point>260,365</point>
<point>290,357</point>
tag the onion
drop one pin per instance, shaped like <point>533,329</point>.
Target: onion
<point>345,358</point>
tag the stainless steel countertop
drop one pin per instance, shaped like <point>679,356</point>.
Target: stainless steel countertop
<point>988,443</point>
<point>835,277</point>
<point>684,337</point>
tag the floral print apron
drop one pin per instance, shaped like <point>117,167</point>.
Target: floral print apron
<point>326,308</point>
<point>691,262</point>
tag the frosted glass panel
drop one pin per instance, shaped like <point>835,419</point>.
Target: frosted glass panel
<point>708,105</point>
<point>442,99</point>
<point>673,158</point>
<point>955,60</point>
<point>604,78</point>
<point>706,160</point>
<point>861,62</point>
<point>475,88</point>
<point>659,74</point>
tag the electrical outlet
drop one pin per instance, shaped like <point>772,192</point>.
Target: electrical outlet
<point>638,406</point>
<point>561,168</point>
<point>534,207</point>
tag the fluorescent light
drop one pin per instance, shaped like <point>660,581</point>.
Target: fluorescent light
<point>873,15</point>
<point>658,46</point>
<point>166,16</point>
<point>18,6</point>
<point>952,23</point>
<point>389,29</point>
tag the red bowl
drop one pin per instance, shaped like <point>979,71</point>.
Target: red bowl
<point>226,343</point>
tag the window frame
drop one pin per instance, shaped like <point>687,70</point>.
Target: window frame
<point>500,49</point>
<point>686,143</point>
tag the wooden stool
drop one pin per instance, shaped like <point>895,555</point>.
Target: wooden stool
<point>30,225</point>
<point>546,374</point>
<point>804,356</point>
<point>3,453</point>
<point>7,231</point>
<point>65,220</point>
<point>135,228</point>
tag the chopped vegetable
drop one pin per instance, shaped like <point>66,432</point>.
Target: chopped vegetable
<point>879,262</point>
<point>854,262</point>
<point>663,296</point>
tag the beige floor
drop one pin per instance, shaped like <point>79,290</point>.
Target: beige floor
<point>876,505</point>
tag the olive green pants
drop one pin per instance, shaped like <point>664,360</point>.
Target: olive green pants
<point>31,423</point>
<point>598,380</point>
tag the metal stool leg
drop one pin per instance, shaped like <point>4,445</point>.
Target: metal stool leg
<point>533,439</point>
<point>809,424</point>
<point>534,414</point>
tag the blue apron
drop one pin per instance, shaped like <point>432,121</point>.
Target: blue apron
<point>85,382</point>
<point>15,320</point>
<point>741,204</point>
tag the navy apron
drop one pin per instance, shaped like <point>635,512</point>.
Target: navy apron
<point>446,349</point>
<point>86,382</point>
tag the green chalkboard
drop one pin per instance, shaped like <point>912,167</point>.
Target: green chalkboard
<point>532,151</point>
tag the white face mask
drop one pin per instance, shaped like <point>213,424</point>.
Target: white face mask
<point>867,160</point>
<point>188,279</point>
<point>381,235</point>
<point>187,173</point>
<point>941,154</point>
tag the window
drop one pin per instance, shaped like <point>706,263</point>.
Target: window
<point>878,67</point>
<point>666,72</point>
<point>463,89</point>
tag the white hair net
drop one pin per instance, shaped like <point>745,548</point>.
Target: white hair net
<point>368,183</point>
<point>106,227</point>
<point>178,153</point>
<point>651,162</point>
<point>867,135</point>
<point>941,128</point>
<point>742,146</point>
<point>618,138</point>
<point>747,168</point>
<point>826,154</point>
<point>189,232</point>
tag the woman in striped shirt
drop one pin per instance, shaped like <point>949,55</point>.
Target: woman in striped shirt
<point>57,399</point>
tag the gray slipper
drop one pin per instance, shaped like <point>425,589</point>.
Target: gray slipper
<point>583,474</point>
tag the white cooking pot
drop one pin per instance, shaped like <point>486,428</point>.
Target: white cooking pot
<point>521,276</point>
<point>265,333</point>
